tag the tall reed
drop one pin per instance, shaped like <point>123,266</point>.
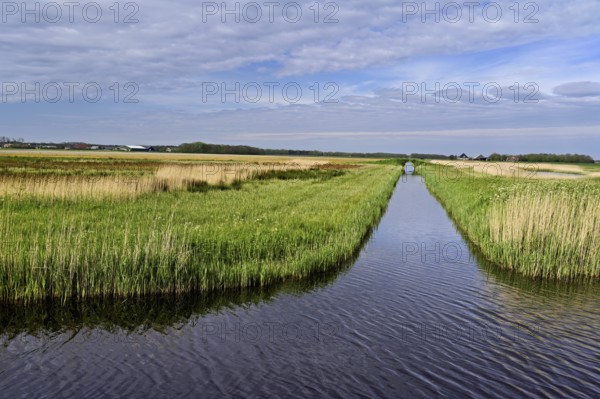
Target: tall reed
<point>172,242</point>
<point>543,229</point>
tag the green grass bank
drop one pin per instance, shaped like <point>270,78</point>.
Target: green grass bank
<point>539,228</point>
<point>259,233</point>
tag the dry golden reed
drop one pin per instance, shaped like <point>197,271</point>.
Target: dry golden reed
<point>167,177</point>
<point>555,232</point>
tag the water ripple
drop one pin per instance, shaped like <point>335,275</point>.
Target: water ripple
<point>404,321</point>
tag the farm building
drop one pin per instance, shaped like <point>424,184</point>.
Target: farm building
<point>463,157</point>
<point>135,148</point>
<point>481,158</point>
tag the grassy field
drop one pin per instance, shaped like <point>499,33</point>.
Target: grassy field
<point>74,229</point>
<point>526,170</point>
<point>540,228</point>
<point>165,156</point>
<point>76,179</point>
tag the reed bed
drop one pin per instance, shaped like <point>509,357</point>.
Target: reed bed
<point>267,231</point>
<point>76,186</point>
<point>60,182</point>
<point>180,176</point>
<point>554,225</point>
<point>545,229</point>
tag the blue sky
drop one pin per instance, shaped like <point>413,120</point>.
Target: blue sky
<point>357,75</point>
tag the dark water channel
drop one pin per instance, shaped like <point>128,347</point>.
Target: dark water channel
<point>416,315</point>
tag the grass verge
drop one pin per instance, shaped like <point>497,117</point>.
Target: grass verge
<point>263,232</point>
<point>545,229</point>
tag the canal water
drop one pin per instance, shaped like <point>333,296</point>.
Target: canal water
<point>417,314</point>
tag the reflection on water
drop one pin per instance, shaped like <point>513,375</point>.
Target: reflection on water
<point>534,286</point>
<point>538,286</point>
<point>138,315</point>
<point>419,314</point>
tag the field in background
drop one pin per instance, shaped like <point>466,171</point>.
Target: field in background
<point>164,156</point>
<point>76,228</point>
<point>527,170</point>
<point>132,175</point>
<point>130,181</point>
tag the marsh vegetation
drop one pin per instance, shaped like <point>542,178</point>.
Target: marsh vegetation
<point>540,228</point>
<point>75,229</point>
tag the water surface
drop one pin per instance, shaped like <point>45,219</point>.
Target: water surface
<point>418,314</point>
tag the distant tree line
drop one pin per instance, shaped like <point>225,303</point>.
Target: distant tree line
<point>568,158</point>
<point>204,148</point>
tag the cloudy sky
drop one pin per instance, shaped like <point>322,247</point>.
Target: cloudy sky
<point>379,75</point>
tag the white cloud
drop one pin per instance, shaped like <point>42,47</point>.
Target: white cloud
<point>369,53</point>
<point>171,40</point>
<point>578,89</point>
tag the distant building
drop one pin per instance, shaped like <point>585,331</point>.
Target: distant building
<point>512,159</point>
<point>136,148</point>
<point>481,158</point>
<point>463,157</point>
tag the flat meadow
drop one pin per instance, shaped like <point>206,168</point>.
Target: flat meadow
<point>529,170</point>
<point>75,227</point>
